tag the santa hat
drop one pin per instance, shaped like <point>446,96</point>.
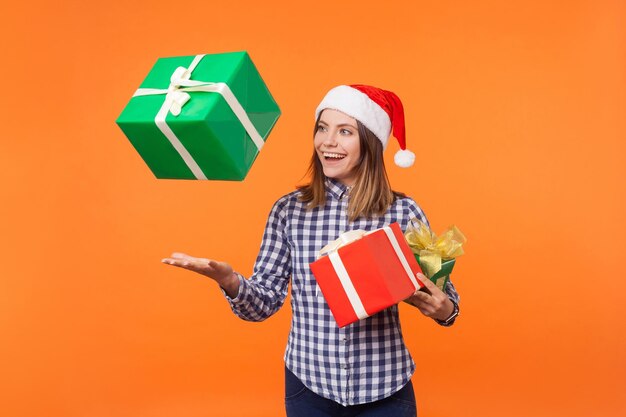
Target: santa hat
<point>379,110</point>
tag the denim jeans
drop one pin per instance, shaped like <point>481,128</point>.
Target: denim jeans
<point>302,402</point>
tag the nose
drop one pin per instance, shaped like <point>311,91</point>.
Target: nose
<point>331,138</point>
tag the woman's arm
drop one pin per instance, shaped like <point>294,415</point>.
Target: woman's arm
<point>264,293</point>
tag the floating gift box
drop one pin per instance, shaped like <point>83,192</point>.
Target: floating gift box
<point>200,117</point>
<point>361,277</point>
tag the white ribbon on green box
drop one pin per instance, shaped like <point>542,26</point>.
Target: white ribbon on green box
<point>175,98</point>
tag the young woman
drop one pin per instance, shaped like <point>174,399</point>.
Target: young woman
<point>364,368</point>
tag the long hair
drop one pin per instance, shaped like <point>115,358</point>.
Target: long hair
<point>371,195</point>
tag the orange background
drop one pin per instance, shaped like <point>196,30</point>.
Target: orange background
<point>515,109</point>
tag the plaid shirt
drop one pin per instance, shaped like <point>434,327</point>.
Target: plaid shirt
<point>363,362</point>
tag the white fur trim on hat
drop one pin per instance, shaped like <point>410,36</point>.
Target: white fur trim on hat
<point>358,105</point>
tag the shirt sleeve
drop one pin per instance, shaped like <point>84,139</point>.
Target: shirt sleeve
<point>450,290</point>
<point>416,211</point>
<point>264,293</point>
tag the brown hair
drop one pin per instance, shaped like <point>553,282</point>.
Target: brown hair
<point>371,195</point>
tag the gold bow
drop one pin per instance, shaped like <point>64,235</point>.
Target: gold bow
<point>432,249</point>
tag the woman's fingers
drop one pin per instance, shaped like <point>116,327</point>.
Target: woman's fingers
<point>422,297</point>
<point>186,260</point>
<point>425,299</point>
<point>219,271</point>
<point>424,307</point>
<point>189,262</point>
<point>431,301</point>
<point>179,255</point>
<point>428,284</point>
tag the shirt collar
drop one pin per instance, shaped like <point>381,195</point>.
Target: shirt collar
<point>336,188</point>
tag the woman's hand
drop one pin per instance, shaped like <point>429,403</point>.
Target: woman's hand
<point>220,272</point>
<point>431,301</point>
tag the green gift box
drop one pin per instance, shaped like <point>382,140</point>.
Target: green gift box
<point>200,117</point>
<point>440,278</point>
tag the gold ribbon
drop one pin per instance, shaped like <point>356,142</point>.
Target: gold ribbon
<point>432,248</point>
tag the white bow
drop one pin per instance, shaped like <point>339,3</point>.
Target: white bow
<point>176,97</point>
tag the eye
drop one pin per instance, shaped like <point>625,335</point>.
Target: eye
<point>321,128</point>
<point>345,132</point>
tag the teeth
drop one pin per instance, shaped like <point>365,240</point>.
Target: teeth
<point>333,155</point>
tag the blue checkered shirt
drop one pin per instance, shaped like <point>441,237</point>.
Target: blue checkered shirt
<point>360,363</point>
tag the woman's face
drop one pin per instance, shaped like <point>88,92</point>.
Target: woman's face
<point>337,145</point>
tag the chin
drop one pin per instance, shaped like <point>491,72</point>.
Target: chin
<point>332,174</point>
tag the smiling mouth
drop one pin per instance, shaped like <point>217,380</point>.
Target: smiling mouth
<point>331,156</point>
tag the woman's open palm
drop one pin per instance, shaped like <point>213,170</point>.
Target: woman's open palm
<point>221,272</point>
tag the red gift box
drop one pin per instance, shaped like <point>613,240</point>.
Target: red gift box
<point>367,275</point>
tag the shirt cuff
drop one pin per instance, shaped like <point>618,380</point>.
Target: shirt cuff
<point>240,295</point>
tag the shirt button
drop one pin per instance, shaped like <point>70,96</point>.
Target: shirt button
<point>344,339</point>
<point>344,366</point>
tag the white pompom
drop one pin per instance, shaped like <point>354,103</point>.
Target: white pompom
<point>404,159</point>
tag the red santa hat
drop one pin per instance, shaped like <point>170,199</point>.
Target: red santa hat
<point>379,110</point>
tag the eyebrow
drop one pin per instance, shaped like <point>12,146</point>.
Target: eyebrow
<point>341,125</point>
